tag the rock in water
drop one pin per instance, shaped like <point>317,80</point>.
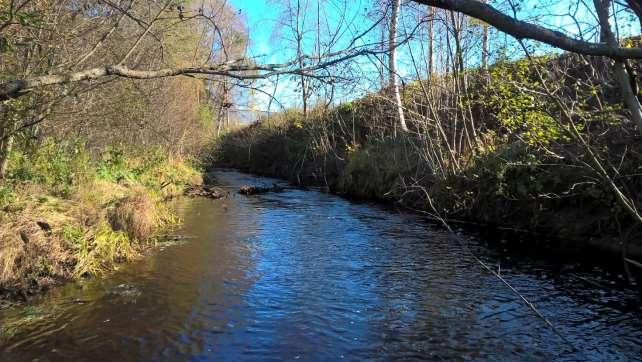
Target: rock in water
<point>253,190</point>
<point>123,293</point>
<point>206,191</point>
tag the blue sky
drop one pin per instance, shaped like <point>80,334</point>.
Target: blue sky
<point>271,43</point>
<point>261,18</point>
<point>268,45</point>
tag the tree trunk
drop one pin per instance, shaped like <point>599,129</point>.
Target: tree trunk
<point>431,14</point>
<point>459,53</point>
<point>382,46</point>
<point>622,76</point>
<point>396,4</point>
<point>485,51</point>
<point>5,149</point>
<point>220,122</point>
<point>299,54</point>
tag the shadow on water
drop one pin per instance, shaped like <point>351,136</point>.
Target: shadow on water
<point>306,275</point>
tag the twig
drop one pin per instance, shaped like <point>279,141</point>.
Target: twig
<point>528,303</point>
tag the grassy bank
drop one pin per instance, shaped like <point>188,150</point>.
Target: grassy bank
<point>520,167</point>
<point>65,214</point>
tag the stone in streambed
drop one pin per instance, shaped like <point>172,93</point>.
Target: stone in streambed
<point>253,190</point>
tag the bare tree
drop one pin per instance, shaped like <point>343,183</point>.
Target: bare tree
<point>392,63</point>
<point>623,77</point>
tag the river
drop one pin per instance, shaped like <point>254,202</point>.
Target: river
<point>304,275</point>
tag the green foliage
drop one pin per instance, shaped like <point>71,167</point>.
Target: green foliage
<point>513,97</point>
<point>60,166</point>
<point>24,18</point>
<point>346,108</point>
<point>7,195</point>
<point>73,234</point>
<point>511,173</point>
<point>112,166</point>
<point>206,116</point>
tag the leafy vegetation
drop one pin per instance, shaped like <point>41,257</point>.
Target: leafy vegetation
<point>66,214</point>
<point>522,113</point>
<point>522,169</point>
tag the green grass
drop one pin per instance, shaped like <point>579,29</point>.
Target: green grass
<point>101,209</point>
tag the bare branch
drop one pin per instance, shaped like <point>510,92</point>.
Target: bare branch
<point>525,30</point>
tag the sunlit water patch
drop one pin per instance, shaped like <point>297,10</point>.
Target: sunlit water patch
<point>307,275</point>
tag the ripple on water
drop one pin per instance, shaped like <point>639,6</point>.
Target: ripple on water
<point>310,276</point>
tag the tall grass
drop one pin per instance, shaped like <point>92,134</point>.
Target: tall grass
<point>513,177</point>
<point>65,213</point>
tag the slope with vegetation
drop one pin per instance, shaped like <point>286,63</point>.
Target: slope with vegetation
<point>65,216</point>
<point>86,167</point>
<point>504,152</point>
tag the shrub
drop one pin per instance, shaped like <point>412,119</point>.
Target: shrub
<point>7,195</point>
<point>59,166</point>
<point>520,112</point>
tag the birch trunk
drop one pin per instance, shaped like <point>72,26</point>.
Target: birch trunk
<point>396,4</point>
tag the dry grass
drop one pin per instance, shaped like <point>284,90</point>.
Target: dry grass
<point>45,240</point>
<point>110,211</point>
<point>32,254</point>
<point>136,215</point>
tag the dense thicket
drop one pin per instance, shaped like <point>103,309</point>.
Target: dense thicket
<point>58,36</point>
<point>504,153</point>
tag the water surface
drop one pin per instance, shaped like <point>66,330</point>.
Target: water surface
<point>310,276</point>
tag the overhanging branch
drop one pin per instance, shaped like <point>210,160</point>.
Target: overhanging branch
<point>241,69</point>
<point>525,30</point>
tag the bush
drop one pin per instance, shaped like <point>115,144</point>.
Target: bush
<point>7,196</point>
<point>113,167</point>
<point>59,166</point>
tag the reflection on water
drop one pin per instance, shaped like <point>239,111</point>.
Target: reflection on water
<point>306,275</point>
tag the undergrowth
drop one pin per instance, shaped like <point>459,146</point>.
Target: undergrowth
<point>66,214</point>
<point>523,170</point>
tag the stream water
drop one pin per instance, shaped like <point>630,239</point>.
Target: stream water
<point>311,276</point>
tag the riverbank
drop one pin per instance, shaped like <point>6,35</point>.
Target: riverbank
<point>66,215</point>
<point>484,195</point>
<point>521,170</point>
<point>330,278</point>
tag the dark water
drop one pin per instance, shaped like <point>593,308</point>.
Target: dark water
<point>310,276</point>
